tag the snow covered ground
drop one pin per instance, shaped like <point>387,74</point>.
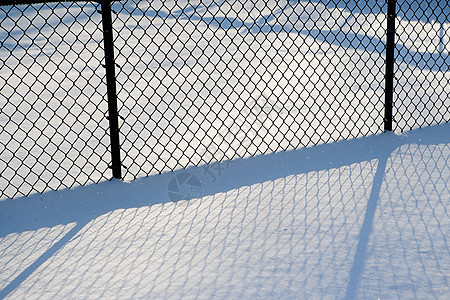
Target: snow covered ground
<point>203,81</point>
<point>364,218</point>
<point>355,219</point>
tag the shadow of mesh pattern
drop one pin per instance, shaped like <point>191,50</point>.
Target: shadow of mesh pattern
<point>18,252</point>
<point>207,81</point>
<point>212,243</point>
<point>422,56</point>
<point>408,256</point>
<point>294,236</point>
<point>52,108</point>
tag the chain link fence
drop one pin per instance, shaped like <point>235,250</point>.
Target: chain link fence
<point>422,65</point>
<point>204,81</point>
<point>52,100</point>
<point>300,231</point>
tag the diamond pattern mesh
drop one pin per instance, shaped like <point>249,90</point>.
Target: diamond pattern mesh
<point>206,81</point>
<point>215,80</point>
<point>53,131</point>
<point>422,91</point>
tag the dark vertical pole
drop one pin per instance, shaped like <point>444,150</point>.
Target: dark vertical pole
<point>111,88</point>
<point>390,47</point>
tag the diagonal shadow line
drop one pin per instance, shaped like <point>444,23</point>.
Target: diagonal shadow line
<point>366,229</point>
<point>41,260</point>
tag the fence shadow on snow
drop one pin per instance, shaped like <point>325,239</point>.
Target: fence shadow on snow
<point>350,219</point>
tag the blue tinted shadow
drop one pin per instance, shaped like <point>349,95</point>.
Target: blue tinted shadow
<point>412,10</point>
<point>422,60</point>
<point>430,11</point>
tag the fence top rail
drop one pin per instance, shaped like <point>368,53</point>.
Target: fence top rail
<point>25,2</point>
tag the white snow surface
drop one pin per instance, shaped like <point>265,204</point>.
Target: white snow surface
<point>191,92</point>
<point>359,219</point>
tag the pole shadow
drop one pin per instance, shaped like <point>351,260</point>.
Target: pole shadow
<point>309,211</point>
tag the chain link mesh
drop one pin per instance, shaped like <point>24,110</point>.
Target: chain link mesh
<point>205,81</point>
<point>293,234</point>
<point>53,131</point>
<point>422,91</point>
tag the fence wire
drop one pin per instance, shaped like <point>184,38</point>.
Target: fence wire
<point>52,118</point>
<point>205,81</point>
<point>421,94</point>
<point>293,234</point>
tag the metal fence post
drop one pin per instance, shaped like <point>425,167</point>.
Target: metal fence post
<point>390,47</point>
<point>111,88</point>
